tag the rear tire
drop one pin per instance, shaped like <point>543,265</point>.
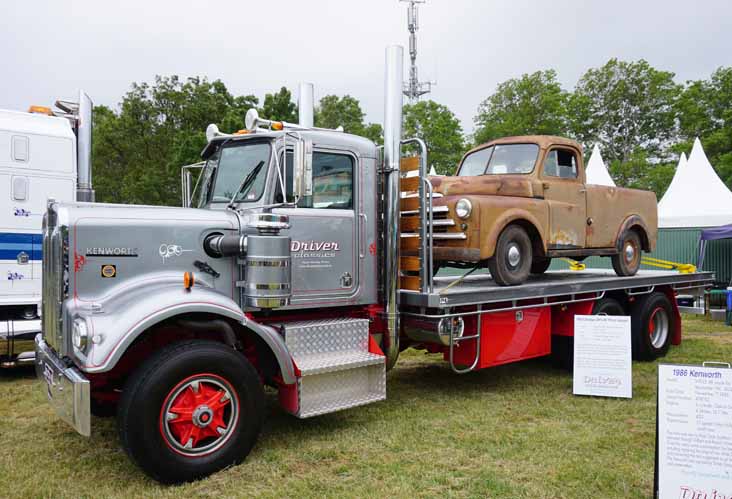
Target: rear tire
<point>192,409</point>
<point>540,264</point>
<point>653,322</point>
<point>627,262</point>
<point>511,263</point>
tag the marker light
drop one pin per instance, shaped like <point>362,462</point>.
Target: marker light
<point>463,208</point>
<point>188,280</point>
<point>40,110</point>
<point>277,125</point>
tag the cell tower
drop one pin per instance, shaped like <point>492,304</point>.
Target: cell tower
<point>413,88</point>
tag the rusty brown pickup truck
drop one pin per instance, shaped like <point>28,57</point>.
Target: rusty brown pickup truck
<point>517,202</point>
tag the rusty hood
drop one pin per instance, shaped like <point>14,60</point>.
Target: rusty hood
<point>486,185</point>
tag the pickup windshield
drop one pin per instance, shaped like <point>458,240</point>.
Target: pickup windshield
<point>234,163</point>
<point>500,159</point>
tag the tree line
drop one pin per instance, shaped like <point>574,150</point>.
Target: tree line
<point>639,115</point>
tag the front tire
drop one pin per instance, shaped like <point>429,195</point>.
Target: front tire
<point>652,324</point>
<point>627,262</point>
<point>192,409</point>
<point>511,263</point>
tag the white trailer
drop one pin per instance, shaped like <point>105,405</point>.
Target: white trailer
<point>44,154</point>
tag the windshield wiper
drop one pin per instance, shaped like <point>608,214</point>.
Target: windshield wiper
<point>246,183</point>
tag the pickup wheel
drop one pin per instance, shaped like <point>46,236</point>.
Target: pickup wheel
<point>627,262</point>
<point>511,263</point>
<point>652,324</point>
<point>194,408</point>
<point>540,264</point>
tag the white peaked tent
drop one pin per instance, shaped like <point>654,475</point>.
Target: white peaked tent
<point>697,197</point>
<point>596,171</point>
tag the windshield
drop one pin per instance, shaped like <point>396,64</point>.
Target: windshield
<point>235,163</point>
<point>500,159</point>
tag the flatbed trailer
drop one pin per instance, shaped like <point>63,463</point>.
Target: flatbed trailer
<point>537,318</point>
<point>454,291</point>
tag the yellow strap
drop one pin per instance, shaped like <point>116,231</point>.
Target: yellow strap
<point>574,264</point>
<point>684,268</point>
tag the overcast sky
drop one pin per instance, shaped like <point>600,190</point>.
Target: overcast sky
<point>51,48</point>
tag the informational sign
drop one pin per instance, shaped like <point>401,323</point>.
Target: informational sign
<point>602,356</point>
<point>694,432</point>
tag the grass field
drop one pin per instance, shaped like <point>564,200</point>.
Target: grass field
<point>511,431</point>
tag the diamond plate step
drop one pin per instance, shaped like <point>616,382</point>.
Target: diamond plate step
<point>335,361</point>
<point>331,335</point>
<point>337,371</point>
<point>335,391</point>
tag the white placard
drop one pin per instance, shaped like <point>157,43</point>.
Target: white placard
<point>694,432</point>
<point>602,356</point>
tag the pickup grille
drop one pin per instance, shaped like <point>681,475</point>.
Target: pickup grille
<point>55,279</point>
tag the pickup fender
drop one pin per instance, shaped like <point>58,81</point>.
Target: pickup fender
<point>490,237</point>
<point>631,221</point>
<point>120,317</point>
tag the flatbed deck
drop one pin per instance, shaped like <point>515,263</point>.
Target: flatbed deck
<point>481,289</point>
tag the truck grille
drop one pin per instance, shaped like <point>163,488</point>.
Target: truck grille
<point>55,279</point>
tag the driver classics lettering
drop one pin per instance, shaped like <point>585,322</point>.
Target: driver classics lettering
<point>310,249</point>
<point>315,255</point>
<point>170,250</point>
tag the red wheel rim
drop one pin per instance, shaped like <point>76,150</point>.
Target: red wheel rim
<point>199,415</point>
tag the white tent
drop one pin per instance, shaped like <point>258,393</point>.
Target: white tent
<point>697,197</point>
<point>596,171</point>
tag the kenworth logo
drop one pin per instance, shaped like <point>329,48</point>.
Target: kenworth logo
<point>111,252</point>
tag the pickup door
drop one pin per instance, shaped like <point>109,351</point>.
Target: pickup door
<point>565,193</point>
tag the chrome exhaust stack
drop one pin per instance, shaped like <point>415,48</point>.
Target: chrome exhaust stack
<point>306,105</point>
<point>393,83</point>
<point>84,190</point>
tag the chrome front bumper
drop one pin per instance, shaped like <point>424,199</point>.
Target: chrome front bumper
<point>66,388</point>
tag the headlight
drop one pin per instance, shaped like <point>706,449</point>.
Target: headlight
<point>463,208</point>
<point>80,335</point>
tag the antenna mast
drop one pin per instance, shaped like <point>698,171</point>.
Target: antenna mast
<point>414,89</point>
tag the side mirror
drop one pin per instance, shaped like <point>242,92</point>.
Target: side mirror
<point>302,174</point>
<point>185,188</point>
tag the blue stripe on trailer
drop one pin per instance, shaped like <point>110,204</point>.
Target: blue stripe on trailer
<point>12,243</point>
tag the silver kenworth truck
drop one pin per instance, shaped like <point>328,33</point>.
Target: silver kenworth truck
<point>288,272</point>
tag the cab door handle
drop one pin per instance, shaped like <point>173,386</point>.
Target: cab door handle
<point>362,231</point>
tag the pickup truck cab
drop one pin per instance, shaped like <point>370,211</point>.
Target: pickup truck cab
<point>517,202</point>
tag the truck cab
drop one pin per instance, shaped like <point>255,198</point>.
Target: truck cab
<point>328,228</point>
<point>517,202</point>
